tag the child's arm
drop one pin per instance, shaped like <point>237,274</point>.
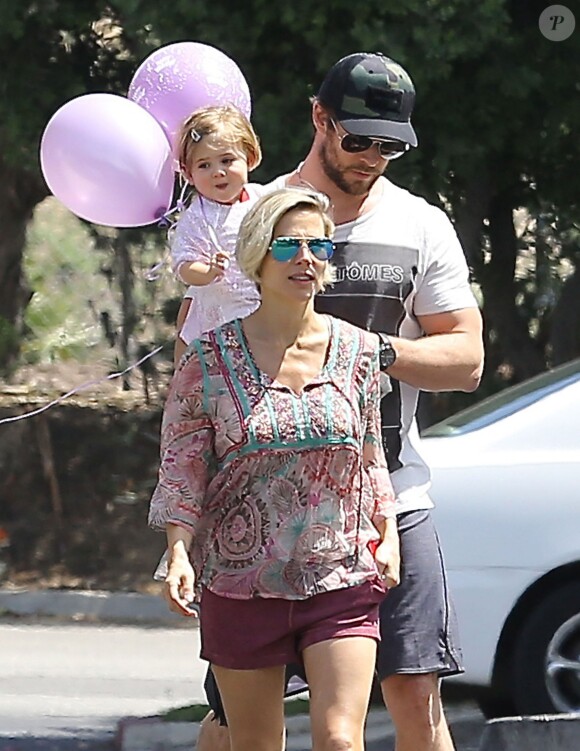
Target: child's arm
<point>194,257</point>
<point>200,273</point>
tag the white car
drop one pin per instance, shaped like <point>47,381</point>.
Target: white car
<point>506,484</point>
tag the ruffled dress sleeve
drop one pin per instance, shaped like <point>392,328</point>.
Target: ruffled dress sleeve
<point>188,460</point>
<point>190,240</point>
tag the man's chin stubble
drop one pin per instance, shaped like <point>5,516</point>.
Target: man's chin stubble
<point>350,187</point>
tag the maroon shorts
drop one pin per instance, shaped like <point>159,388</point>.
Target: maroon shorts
<point>263,632</point>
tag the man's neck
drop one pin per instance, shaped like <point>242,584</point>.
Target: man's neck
<point>345,206</point>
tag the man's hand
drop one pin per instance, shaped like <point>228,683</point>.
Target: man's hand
<point>388,555</point>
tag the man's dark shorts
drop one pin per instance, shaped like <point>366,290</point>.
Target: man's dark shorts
<point>419,632</point>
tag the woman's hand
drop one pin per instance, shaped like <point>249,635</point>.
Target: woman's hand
<point>388,555</point>
<point>178,588</point>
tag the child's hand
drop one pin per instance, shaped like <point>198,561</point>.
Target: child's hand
<point>219,263</point>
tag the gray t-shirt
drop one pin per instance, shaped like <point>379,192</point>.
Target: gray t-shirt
<point>399,261</point>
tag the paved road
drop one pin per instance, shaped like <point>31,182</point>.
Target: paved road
<point>72,682</point>
<point>64,687</point>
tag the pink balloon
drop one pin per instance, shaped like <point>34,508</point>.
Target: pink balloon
<point>108,161</point>
<point>179,78</point>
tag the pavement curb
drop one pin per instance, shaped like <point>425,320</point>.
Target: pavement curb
<point>97,606</point>
<point>152,734</point>
<point>535,733</point>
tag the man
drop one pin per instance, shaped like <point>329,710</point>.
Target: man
<point>400,272</point>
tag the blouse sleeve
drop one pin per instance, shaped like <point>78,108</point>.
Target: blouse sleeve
<point>188,461</point>
<point>374,460</point>
<point>188,241</point>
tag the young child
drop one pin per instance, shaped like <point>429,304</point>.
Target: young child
<point>217,149</point>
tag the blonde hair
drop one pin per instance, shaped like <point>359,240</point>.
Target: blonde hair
<point>228,123</point>
<point>258,227</point>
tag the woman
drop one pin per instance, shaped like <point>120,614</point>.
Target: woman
<point>274,482</point>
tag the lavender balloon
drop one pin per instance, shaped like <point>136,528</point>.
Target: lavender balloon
<point>108,161</point>
<point>181,77</point>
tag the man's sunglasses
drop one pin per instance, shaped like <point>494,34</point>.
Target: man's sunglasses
<point>285,248</point>
<point>357,144</point>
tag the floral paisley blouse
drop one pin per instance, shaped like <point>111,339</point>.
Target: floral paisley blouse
<point>279,489</point>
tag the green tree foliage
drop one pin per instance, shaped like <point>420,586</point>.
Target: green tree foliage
<point>51,51</point>
<point>497,116</point>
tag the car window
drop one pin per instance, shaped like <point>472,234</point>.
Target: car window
<point>507,402</point>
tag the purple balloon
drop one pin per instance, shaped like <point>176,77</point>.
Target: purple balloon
<point>179,78</point>
<point>108,161</point>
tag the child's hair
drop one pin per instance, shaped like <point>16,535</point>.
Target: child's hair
<point>228,122</point>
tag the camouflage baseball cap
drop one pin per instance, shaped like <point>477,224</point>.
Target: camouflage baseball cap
<point>371,95</point>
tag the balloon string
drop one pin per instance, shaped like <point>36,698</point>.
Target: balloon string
<point>80,388</point>
<point>154,273</point>
<point>166,220</point>
<point>151,275</point>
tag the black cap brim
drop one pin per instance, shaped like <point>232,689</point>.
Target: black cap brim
<point>381,129</point>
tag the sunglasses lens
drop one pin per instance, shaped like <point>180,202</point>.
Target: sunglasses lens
<point>391,149</point>
<point>387,149</point>
<point>284,248</point>
<point>321,249</point>
<point>355,144</point>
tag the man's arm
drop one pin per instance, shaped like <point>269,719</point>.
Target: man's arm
<point>448,358</point>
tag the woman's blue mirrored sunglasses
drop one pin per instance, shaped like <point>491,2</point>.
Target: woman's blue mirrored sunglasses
<point>285,248</point>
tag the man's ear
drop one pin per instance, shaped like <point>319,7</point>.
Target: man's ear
<point>319,117</point>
